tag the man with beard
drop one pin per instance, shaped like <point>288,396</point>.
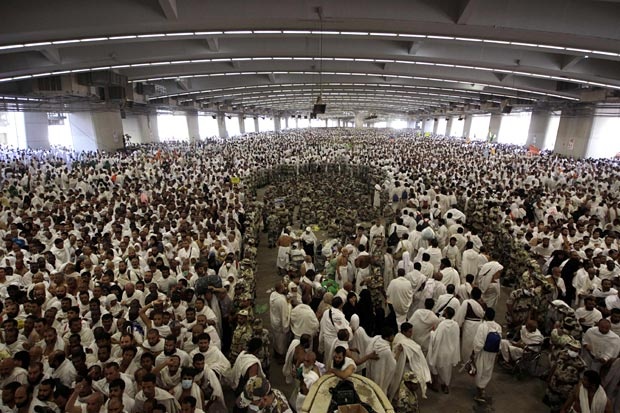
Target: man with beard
<point>63,369</point>
<point>170,350</point>
<point>35,376</point>
<point>23,397</point>
<point>9,373</point>
<point>8,397</point>
<point>342,366</point>
<point>45,397</point>
<point>93,402</point>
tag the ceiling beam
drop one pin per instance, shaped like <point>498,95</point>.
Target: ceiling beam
<point>169,7</point>
<point>213,44</point>
<point>52,54</point>
<point>466,10</point>
<point>414,47</point>
<point>569,61</point>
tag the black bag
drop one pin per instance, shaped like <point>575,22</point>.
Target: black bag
<point>393,239</point>
<point>343,393</point>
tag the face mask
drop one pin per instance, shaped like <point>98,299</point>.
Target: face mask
<point>253,408</point>
<point>572,353</point>
<point>228,265</point>
<point>187,384</point>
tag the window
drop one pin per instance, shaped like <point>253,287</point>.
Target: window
<point>232,125</point>
<point>173,127</point>
<point>265,124</point>
<point>479,129</point>
<point>514,128</point>
<point>457,127</point>
<point>249,125</point>
<point>441,126</point>
<point>59,130</point>
<point>398,124</point>
<point>207,127</point>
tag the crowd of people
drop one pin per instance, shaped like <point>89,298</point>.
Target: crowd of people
<point>128,280</point>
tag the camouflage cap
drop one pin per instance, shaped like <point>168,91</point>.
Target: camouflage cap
<point>569,323</point>
<point>573,343</point>
<point>257,323</point>
<point>254,390</point>
<point>410,377</point>
<point>243,312</point>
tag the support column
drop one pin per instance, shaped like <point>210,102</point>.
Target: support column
<point>359,120</point>
<point>538,128</point>
<point>286,122</point>
<point>221,126</point>
<point>494,125</point>
<point>36,126</point>
<point>411,123</point>
<point>241,120</point>
<point>574,135</point>
<point>296,123</point>
<point>193,129</point>
<point>150,129</point>
<point>96,131</point>
<point>467,125</point>
<point>256,125</point>
<point>435,126</point>
<point>277,125</point>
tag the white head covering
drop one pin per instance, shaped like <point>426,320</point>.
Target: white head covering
<point>490,268</point>
<point>355,322</point>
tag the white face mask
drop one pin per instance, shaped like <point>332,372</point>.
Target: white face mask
<point>228,265</point>
<point>186,384</point>
<point>253,408</point>
<point>572,353</point>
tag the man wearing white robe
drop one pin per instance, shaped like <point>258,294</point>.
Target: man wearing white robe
<point>588,315</point>
<point>444,350</point>
<point>468,318</point>
<point>303,320</point>
<point>400,295</point>
<point>332,321</point>
<point>409,357</point>
<point>279,314</point>
<point>424,321</point>
<point>485,360</point>
<point>600,345</point>
<point>469,260</point>
<point>381,369</point>
<point>488,282</point>
<point>447,300</point>
<point>449,274</point>
<point>530,337</point>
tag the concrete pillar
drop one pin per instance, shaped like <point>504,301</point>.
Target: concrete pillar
<point>296,123</point>
<point>277,125</point>
<point>96,131</point>
<point>241,124</point>
<point>286,122</point>
<point>326,123</point>
<point>411,123</point>
<point>574,135</point>
<point>36,126</point>
<point>221,126</point>
<point>449,126</point>
<point>256,124</point>
<point>149,128</point>
<point>496,122</point>
<point>467,125</point>
<point>538,128</point>
<point>359,120</point>
<point>193,129</point>
<point>435,126</point>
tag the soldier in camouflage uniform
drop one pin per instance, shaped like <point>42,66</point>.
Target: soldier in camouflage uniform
<point>565,374</point>
<point>241,335</point>
<point>565,332</point>
<point>375,286</point>
<point>406,399</point>
<point>264,354</point>
<point>273,229</point>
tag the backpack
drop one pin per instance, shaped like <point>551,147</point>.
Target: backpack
<point>393,239</point>
<point>395,198</point>
<point>405,195</point>
<point>491,343</point>
<point>344,393</point>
